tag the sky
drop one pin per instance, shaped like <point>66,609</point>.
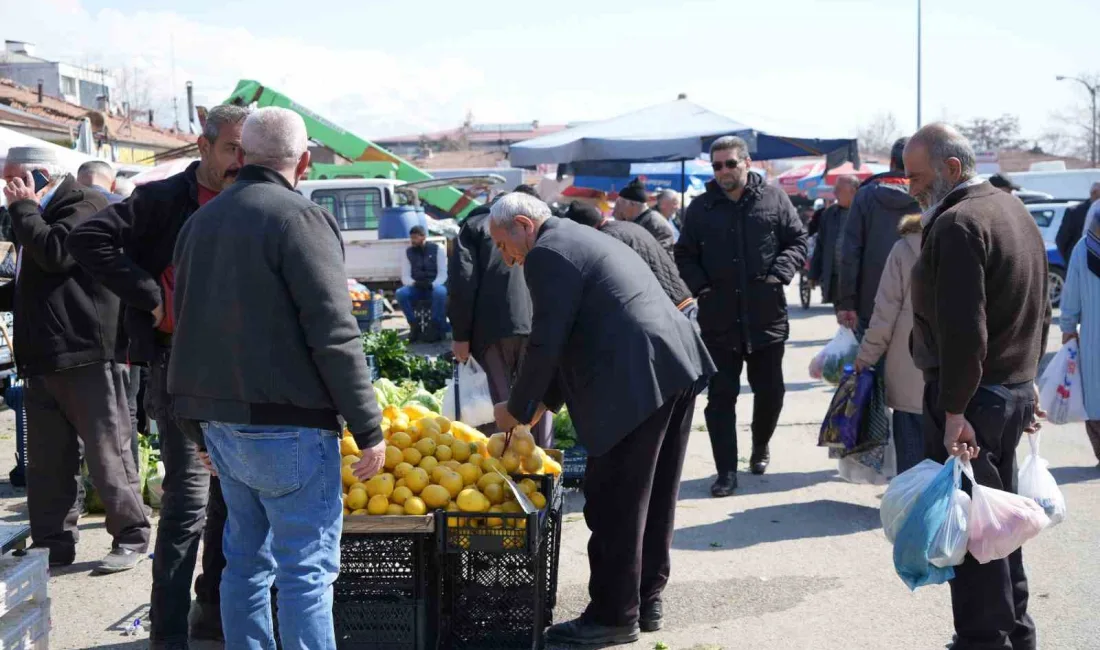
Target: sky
<point>806,68</point>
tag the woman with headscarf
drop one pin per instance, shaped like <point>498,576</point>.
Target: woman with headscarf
<point>1081,310</point>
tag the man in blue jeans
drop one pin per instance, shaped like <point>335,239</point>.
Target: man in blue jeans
<point>424,276</point>
<point>267,358</point>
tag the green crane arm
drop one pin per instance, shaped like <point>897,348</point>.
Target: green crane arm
<point>448,199</point>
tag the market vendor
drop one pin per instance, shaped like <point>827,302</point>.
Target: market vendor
<point>424,276</point>
<point>606,340</point>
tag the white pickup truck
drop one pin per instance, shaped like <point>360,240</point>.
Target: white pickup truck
<point>357,204</point>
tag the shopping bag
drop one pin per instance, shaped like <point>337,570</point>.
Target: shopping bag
<point>949,545</point>
<point>1000,522</point>
<point>875,466</point>
<point>903,493</point>
<point>829,363</point>
<point>1060,392</point>
<point>1038,484</point>
<point>915,545</point>
<point>843,420</point>
<point>474,399</point>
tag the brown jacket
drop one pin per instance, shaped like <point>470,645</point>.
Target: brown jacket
<point>893,321</point>
<point>981,307</point>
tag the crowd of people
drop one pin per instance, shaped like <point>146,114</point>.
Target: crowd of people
<point>229,287</point>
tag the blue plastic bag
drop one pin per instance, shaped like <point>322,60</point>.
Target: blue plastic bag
<point>916,537</point>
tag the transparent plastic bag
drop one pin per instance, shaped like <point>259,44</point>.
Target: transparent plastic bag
<point>915,544</point>
<point>949,545</point>
<point>1038,484</point>
<point>902,495</point>
<point>829,363</point>
<point>1000,522</point>
<point>1060,392</point>
<point>475,400</point>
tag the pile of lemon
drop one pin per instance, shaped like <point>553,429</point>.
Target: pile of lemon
<point>433,463</point>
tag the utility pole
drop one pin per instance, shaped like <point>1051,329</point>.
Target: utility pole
<point>918,63</point>
<point>1092,88</point>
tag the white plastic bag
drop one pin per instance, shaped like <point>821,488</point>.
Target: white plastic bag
<point>949,545</point>
<point>1038,484</point>
<point>861,468</point>
<point>829,363</point>
<point>903,493</point>
<point>475,400</point>
<point>154,487</point>
<point>1060,392</point>
<point>1000,522</point>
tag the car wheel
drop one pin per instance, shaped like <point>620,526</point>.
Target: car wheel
<point>1056,276</point>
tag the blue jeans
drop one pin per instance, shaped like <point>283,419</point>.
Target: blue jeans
<point>283,492</point>
<point>407,296</point>
<point>908,439</point>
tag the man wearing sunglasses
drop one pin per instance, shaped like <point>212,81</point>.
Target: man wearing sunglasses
<point>742,241</point>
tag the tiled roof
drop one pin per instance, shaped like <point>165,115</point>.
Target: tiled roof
<point>481,133</point>
<point>26,99</point>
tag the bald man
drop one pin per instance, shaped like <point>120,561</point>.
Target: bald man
<point>824,265</point>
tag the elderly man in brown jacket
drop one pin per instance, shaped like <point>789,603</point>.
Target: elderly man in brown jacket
<point>981,313</point>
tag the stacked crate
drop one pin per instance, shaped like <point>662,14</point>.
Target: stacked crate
<point>24,603</point>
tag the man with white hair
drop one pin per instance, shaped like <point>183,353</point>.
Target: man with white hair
<point>65,326</point>
<point>596,301</point>
<point>668,206</point>
<point>825,263</point>
<point>632,205</point>
<point>267,357</point>
<point>99,175</point>
<point>981,314</point>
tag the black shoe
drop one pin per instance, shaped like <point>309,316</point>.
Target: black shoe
<point>414,333</point>
<point>652,616</point>
<point>168,645</point>
<point>59,557</point>
<point>578,632</point>
<point>725,484</point>
<point>204,622</point>
<point>759,460</point>
<point>117,561</point>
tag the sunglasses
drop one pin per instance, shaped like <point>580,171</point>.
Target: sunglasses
<point>729,164</point>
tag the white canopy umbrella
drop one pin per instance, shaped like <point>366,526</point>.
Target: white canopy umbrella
<point>69,159</point>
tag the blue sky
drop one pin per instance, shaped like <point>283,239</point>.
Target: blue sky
<point>801,66</point>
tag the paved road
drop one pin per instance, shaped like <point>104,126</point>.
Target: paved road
<point>797,560</point>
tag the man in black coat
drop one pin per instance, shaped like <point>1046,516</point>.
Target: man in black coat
<point>606,341</point>
<point>824,267</point>
<point>128,247</point>
<point>632,205</point>
<point>65,326</point>
<point>742,242</point>
<point>1073,224</point>
<point>490,312</point>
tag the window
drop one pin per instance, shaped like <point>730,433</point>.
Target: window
<point>68,86</point>
<point>354,209</point>
<point>1043,218</point>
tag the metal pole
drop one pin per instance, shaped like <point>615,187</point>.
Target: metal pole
<point>918,63</point>
<point>1092,91</point>
<point>683,177</point>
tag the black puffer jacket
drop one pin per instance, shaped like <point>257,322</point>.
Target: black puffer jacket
<point>736,258</point>
<point>655,224</point>
<point>645,245</point>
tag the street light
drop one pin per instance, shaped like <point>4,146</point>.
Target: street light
<point>1092,92</point>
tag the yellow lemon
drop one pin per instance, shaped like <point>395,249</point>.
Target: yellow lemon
<point>445,439</point>
<point>470,500</point>
<point>401,440</point>
<point>415,506</point>
<point>402,470</point>
<point>391,412</point>
<point>416,480</point>
<point>348,476</point>
<point>356,513</point>
<point>494,492</point>
<point>426,447</point>
<point>428,464</point>
<point>415,431</point>
<point>496,445</point>
<point>452,507</point>
<point>393,457</point>
<point>490,465</point>
<point>475,457</point>
<point>528,487</point>
<point>357,499</point>
<point>394,509</point>
<point>512,508</point>
<point>443,453</point>
<point>380,486</point>
<point>412,456</point>
<point>416,411</point>
<point>349,448</point>
<point>444,424</point>
<point>551,466</point>
<point>460,451</point>
<point>538,500</point>
<point>470,473</point>
<point>523,442</point>
<point>435,496</point>
<point>452,481</point>
<point>452,464</point>
<point>400,495</point>
<point>400,484</point>
<point>510,460</point>
<point>378,505</point>
<point>349,459</point>
<point>489,479</point>
<point>495,522</point>
<point>533,463</point>
<point>430,427</point>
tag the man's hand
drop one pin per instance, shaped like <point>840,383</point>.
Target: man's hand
<point>505,420</point>
<point>847,319</point>
<point>959,437</point>
<point>158,315</point>
<point>461,350</point>
<point>1068,336</point>
<point>1035,424</point>
<point>21,189</point>
<point>860,366</point>
<point>371,463</point>
<point>205,458</point>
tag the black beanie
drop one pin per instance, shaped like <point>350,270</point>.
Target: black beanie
<point>635,191</point>
<point>584,214</point>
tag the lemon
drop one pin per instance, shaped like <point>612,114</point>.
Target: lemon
<point>496,445</point>
<point>412,456</point>
<point>452,464</point>
<point>402,470</point>
<point>399,424</point>
<point>470,500</point>
<point>435,496</point>
<point>401,440</point>
<point>356,513</point>
<point>357,499</point>
<point>393,457</point>
<point>399,484</point>
<point>349,459</point>
<point>348,476</point>
<point>416,480</point>
<point>430,428</point>
<point>443,453</point>
<point>349,448</point>
<point>415,506</point>
<point>538,500</point>
<point>391,412</point>
<point>489,479</point>
<point>379,485</point>
<point>470,474</point>
<point>523,442</point>
<point>426,447</point>
<point>394,509</point>
<point>460,451</point>
<point>444,424</point>
<point>495,522</point>
<point>528,486</point>
<point>494,492</point>
<point>533,463</point>
<point>452,481</point>
<point>510,460</point>
<point>415,431</point>
<point>378,505</point>
<point>400,495</point>
<point>490,465</point>
<point>428,464</point>
<point>452,507</point>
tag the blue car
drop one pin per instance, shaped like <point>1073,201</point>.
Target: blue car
<point>1057,274</point>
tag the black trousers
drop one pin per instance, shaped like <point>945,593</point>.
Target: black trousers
<point>69,412</point>
<point>989,600</point>
<point>192,507</point>
<point>132,379</point>
<point>501,361</point>
<point>765,370</point>
<point>630,507</point>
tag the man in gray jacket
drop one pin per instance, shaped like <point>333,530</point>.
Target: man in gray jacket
<point>267,357</point>
<point>870,232</point>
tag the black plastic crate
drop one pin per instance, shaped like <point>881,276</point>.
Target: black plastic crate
<point>521,533</point>
<point>552,552</point>
<point>386,596</point>
<point>573,466</point>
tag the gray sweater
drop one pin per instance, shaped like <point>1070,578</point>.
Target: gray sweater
<point>264,330</point>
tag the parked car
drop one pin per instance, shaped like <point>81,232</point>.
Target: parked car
<point>1056,274</point>
<point>1048,216</point>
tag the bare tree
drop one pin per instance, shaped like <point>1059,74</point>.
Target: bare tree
<point>1071,132</point>
<point>993,134</point>
<point>136,89</point>
<point>879,134</point>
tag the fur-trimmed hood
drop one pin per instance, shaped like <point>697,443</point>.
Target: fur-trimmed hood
<point>909,225</point>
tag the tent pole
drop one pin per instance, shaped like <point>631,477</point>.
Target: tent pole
<point>683,185</point>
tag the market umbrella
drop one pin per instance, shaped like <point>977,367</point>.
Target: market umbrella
<point>655,177</point>
<point>788,180</point>
<point>162,171</point>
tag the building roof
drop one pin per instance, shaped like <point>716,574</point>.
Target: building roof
<point>460,159</point>
<point>25,99</point>
<point>479,133</point>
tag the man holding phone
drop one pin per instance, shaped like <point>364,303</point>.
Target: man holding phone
<point>65,327</point>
